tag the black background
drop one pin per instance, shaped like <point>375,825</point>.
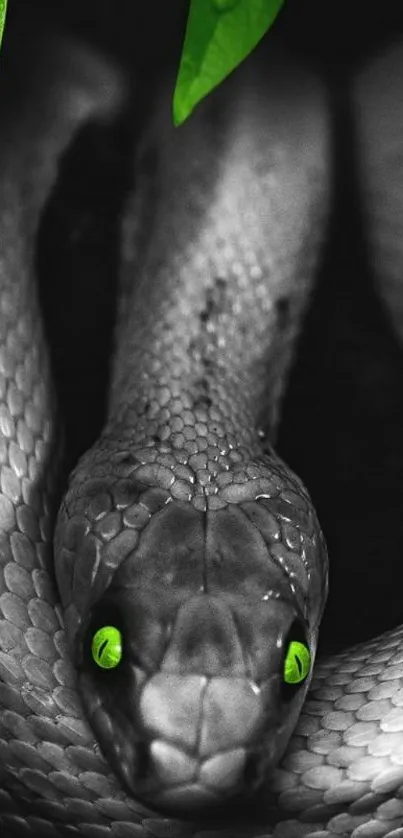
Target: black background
<point>343,421</point>
<point>333,34</point>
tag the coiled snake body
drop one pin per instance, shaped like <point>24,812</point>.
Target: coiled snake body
<point>181,527</point>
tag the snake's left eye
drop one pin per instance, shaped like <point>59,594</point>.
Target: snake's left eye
<point>297,663</point>
<point>106,647</point>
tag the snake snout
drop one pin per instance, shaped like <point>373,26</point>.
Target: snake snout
<point>200,730</point>
<point>214,726</point>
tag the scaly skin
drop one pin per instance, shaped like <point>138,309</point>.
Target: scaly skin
<point>181,524</point>
<point>184,492</point>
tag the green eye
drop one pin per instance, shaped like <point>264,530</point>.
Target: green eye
<point>297,663</point>
<point>106,647</point>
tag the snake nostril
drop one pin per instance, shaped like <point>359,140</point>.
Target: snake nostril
<point>252,774</point>
<point>143,766</point>
<point>283,312</point>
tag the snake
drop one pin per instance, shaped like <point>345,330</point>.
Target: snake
<point>158,631</point>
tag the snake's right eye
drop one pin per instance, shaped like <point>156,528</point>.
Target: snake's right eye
<point>107,647</point>
<point>297,663</point>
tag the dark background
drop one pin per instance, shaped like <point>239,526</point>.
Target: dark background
<point>333,33</point>
<point>342,429</point>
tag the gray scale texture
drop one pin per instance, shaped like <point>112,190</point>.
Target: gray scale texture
<point>343,772</point>
<point>201,323</point>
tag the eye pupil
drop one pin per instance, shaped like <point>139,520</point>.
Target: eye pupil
<point>101,649</point>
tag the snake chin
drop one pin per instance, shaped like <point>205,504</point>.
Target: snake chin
<point>176,778</point>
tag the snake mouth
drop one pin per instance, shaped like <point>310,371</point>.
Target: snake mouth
<point>177,781</point>
<point>176,763</point>
<point>194,743</point>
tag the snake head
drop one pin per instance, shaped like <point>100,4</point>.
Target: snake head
<point>195,654</point>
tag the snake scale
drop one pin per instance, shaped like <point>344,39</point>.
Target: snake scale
<point>181,525</point>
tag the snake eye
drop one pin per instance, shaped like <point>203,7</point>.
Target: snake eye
<point>297,663</point>
<point>106,647</point>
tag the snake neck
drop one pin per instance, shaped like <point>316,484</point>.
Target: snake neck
<point>210,313</point>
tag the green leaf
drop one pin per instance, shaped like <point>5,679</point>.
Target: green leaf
<point>219,35</point>
<point>3,9</point>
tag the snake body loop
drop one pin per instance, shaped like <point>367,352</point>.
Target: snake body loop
<point>184,545</point>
